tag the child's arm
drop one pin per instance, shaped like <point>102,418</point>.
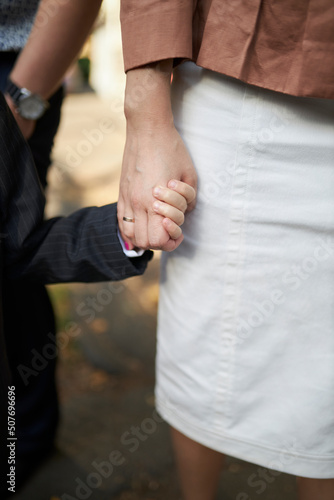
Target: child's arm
<point>81,247</point>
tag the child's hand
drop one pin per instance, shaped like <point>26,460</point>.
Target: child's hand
<point>172,203</point>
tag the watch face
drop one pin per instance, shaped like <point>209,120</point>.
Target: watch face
<point>31,107</point>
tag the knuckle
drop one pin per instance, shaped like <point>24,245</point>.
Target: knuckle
<point>136,201</point>
<point>184,205</point>
<point>181,219</point>
<point>127,231</point>
<point>120,203</point>
<point>166,195</point>
<point>176,233</point>
<point>157,242</point>
<point>192,194</point>
<point>142,244</point>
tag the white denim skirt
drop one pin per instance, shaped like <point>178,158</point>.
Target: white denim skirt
<point>245,357</point>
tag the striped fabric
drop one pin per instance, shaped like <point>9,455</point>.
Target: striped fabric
<point>82,247</point>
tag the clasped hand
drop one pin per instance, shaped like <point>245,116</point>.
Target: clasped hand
<point>157,187</point>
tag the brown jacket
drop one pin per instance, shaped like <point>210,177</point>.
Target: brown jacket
<point>282,45</point>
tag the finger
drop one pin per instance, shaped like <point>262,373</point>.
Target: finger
<point>171,197</point>
<point>168,211</point>
<point>191,206</point>
<point>187,191</point>
<point>140,230</point>
<point>173,244</point>
<point>173,229</point>
<point>158,237</point>
<point>126,228</point>
<point>127,231</point>
<point>129,246</point>
<point>124,205</point>
<point>191,179</point>
<point>127,242</point>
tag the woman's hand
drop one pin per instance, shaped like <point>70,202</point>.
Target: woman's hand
<point>171,203</point>
<point>150,160</point>
<point>154,153</point>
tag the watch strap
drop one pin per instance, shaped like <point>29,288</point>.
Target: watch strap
<point>13,90</point>
<point>19,97</point>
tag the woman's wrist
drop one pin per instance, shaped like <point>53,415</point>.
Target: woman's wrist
<point>147,96</point>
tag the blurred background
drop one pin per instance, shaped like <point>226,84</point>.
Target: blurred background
<point>111,443</point>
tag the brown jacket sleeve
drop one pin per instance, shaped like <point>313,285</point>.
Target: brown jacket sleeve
<point>286,45</point>
<point>153,30</point>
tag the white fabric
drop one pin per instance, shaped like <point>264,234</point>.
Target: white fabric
<point>245,360</point>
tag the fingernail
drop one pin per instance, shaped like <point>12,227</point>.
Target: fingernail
<point>126,245</point>
<point>156,191</point>
<point>156,205</point>
<point>172,184</point>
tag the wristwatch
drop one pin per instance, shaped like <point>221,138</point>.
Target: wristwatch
<point>28,105</point>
